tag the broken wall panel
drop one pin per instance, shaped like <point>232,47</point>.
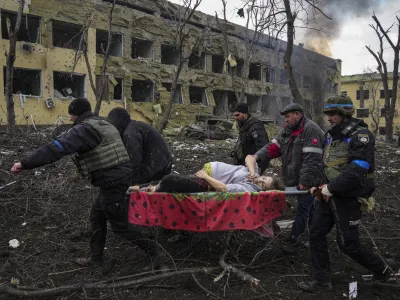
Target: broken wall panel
<point>25,81</point>
<point>142,48</point>
<point>29,29</point>
<point>142,91</point>
<point>116,44</point>
<point>178,99</point>
<point>69,85</point>
<point>66,35</point>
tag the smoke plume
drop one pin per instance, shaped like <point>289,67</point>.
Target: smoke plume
<point>339,11</point>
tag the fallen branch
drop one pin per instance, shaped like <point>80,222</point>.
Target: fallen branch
<point>241,274</point>
<point>11,289</point>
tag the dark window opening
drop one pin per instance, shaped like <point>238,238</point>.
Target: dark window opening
<point>238,69</point>
<point>283,78</point>
<point>270,75</point>
<point>382,94</point>
<point>362,113</point>
<point>102,41</point>
<point>142,91</point>
<point>255,71</point>
<point>253,103</point>
<point>29,30</point>
<point>218,64</point>
<point>344,93</point>
<point>25,81</point>
<point>68,85</point>
<point>142,48</point>
<point>382,130</point>
<point>169,55</point>
<point>307,81</point>
<point>366,95</point>
<point>232,101</point>
<point>197,61</point>
<point>221,103</point>
<point>105,85</point>
<point>66,35</point>
<point>177,93</point>
<point>383,112</point>
<point>197,95</point>
<point>118,88</point>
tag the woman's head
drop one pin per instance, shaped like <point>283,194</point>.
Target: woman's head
<point>267,183</point>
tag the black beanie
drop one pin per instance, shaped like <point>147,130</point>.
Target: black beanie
<point>120,118</point>
<point>242,108</point>
<point>79,106</point>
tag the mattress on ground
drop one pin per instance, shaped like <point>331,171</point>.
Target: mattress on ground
<point>206,211</point>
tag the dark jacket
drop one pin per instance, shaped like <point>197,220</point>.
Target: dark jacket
<point>301,150</point>
<point>148,151</point>
<point>79,139</point>
<point>353,181</point>
<point>252,137</point>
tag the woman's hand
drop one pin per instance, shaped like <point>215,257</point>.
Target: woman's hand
<point>202,174</point>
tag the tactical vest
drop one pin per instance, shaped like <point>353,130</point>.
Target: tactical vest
<point>336,155</point>
<point>109,153</point>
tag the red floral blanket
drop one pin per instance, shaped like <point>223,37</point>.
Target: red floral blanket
<point>206,211</point>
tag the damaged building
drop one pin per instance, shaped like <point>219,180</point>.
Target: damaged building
<point>142,62</point>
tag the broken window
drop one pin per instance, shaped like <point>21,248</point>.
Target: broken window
<point>29,30</point>
<point>142,91</point>
<point>25,81</point>
<point>232,101</point>
<point>255,71</point>
<point>270,75</point>
<point>102,41</point>
<point>221,103</point>
<point>197,61</point>
<point>307,81</point>
<point>362,113</point>
<point>253,103</point>
<point>218,64</point>
<point>68,85</point>
<point>177,93</point>
<point>142,48</point>
<point>197,95</point>
<point>383,112</point>
<point>366,95</point>
<point>169,55</point>
<point>283,78</point>
<point>238,69</point>
<point>118,88</point>
<point>66,35</point>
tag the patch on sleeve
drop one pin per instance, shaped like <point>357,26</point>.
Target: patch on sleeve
<point>363,138</point>
<point>254,134</point>
<point>314,141</point>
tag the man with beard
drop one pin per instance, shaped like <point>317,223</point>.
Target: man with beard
<point>299,145</point>
<point>252,136</point>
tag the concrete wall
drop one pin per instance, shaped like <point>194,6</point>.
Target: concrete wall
<point>147,20</point>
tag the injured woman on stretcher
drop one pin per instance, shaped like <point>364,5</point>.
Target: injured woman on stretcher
<point>215,176</point>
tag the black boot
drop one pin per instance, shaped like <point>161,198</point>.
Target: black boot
<point>314,286</point>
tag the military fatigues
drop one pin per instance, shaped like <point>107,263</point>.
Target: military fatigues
<point>102,157</point>
<point>349,165</point>
<point>301,151</point>
<point>252,137</point>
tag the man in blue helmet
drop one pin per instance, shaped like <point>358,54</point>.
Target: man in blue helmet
<point>349,163</point>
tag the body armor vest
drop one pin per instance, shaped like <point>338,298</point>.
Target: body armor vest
<point>109,153</point>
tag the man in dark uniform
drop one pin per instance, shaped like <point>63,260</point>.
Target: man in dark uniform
<point>252,136</point>
<point>150,156</point>
<point>349,163</point>
<point>102,158</point>
<point>299,145</point>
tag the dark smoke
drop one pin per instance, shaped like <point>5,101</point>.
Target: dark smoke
<point>339,11</point>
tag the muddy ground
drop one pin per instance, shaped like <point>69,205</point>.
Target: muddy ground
<point>47,211</point>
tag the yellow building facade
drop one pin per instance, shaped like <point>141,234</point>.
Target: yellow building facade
<point>374,96</point>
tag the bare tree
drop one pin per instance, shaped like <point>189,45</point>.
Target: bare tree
<point>256,16</point>
<point>11,56</point>
<point>390,99</point>
<point>83,50</point>
<point>372,84</point>
<point>184,46</point>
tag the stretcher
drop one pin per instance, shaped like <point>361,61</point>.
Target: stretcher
<point>212,211</point>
